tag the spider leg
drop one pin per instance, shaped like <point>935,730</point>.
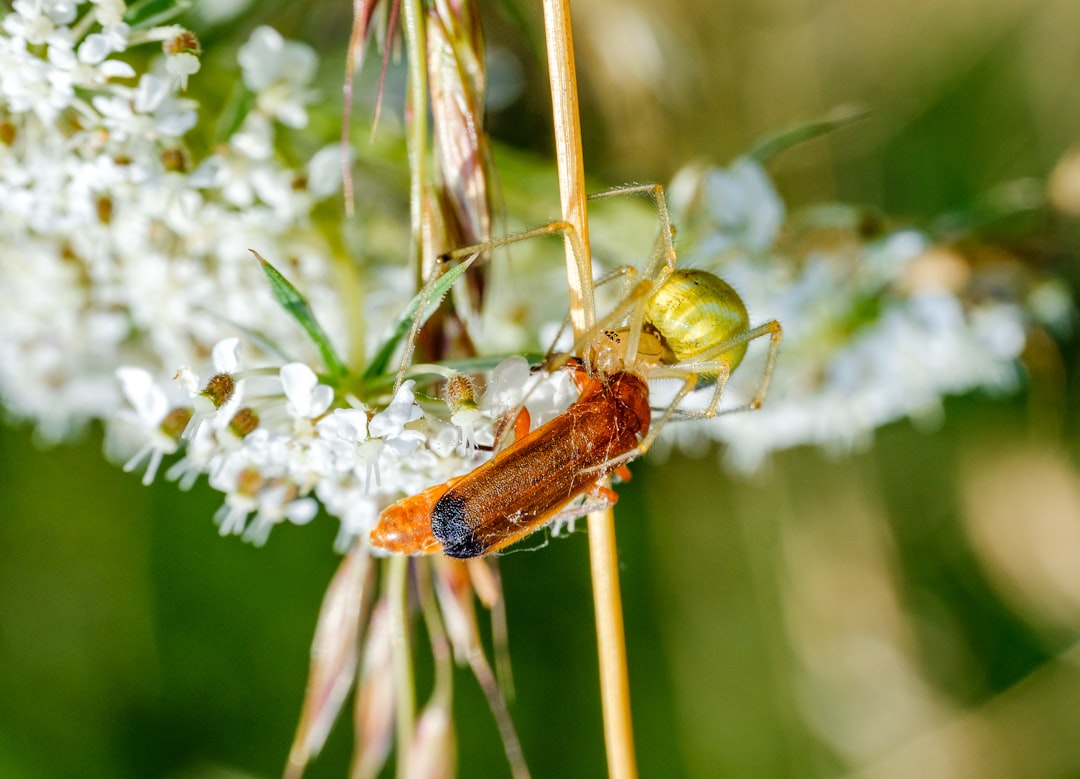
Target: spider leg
<point>660,265</point>
<point>706,363</point>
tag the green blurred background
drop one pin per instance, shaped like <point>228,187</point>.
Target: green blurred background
<point>911,610</point>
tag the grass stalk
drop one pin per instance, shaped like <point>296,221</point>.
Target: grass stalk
<point>611,646</point>
<point>564,99</point>
<point>603,559</point>
<point>416,126</point>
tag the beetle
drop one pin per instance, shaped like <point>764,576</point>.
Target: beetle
<point>529,483</point>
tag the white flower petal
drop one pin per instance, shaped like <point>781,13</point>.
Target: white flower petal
<point>110,69</point>
<point>145,396</point>
<point>298,380</point>
<point>302,511</point>
<point>94,49</point>
<point>324,171</point>
<point>225,356</point>
<point>260,58</point>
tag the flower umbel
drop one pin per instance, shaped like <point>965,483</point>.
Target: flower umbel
<point>121,246</point>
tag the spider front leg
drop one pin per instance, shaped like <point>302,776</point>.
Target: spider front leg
<point>581,259</point>
<point>661,263</point>
<point>664,254</point>
<point>469,255</point>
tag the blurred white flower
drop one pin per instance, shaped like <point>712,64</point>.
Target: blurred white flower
<point>742,206</point>
<point>324,171</point>
<point>278,72</point>
<point>109,13</point>
<point>34,20</point>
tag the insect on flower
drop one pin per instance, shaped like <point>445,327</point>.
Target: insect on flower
<point>673,323</point>
<point>528,483</point>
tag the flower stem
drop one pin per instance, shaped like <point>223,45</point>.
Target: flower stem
<point>396,588</point>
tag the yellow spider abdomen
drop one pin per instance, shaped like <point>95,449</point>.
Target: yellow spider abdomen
<point>695,311</point>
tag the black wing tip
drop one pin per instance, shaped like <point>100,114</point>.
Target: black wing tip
<point>465,549</point>
<point>450,525</point>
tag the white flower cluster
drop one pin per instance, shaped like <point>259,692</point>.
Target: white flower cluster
<point>873,331</point>
<point>115,246</point>
<point>272,442</point>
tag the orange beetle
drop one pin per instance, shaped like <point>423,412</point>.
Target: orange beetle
<point>528,484</point>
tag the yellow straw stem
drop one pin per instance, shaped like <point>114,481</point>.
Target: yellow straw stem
<point>567,123</point>
<point>610,642</point>
<point>614,680</point>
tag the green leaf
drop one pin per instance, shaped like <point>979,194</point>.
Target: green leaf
<point>771,145</point>
<point>150,13</point>
<point>433,295</point>
<point>296,304</point>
